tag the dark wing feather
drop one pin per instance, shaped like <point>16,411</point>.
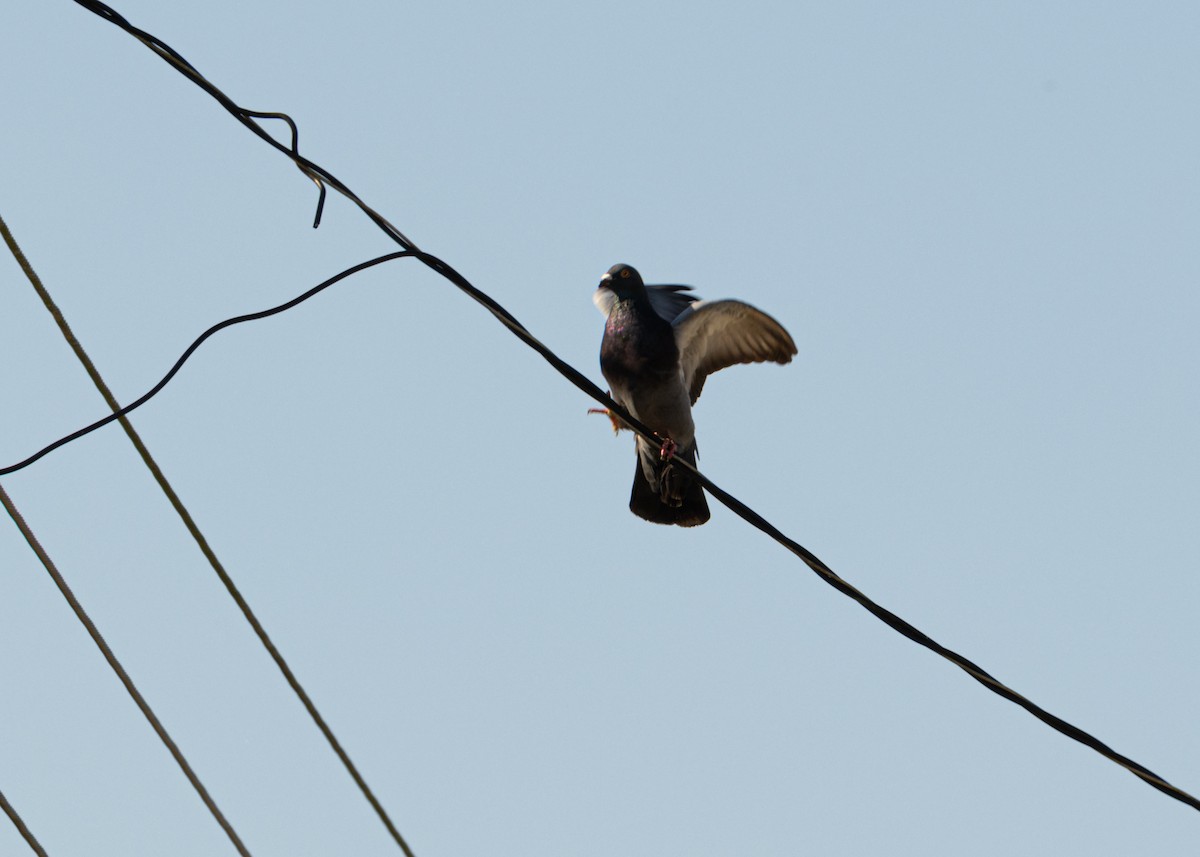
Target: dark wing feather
<point>714,334</point>
<point>668,301</point>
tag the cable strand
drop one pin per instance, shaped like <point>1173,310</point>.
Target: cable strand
<point>115,664</point>
<point>22,828</point>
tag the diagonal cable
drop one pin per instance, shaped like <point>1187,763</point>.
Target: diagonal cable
<point>190,523</point>
<point>22,828</point>
<point>144,706</point>
<point>920,638</point>
<point>319,176</point>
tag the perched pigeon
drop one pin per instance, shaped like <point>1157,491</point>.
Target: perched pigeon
<point>659,345</point>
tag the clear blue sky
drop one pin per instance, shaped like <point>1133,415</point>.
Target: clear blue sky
<point>978,222</point>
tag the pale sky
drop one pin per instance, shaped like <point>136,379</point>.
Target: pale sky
<point>978,222</point>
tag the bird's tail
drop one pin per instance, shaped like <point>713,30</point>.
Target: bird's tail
<point>678,486</point>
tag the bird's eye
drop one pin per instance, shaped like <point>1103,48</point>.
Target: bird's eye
<point>625,272</point>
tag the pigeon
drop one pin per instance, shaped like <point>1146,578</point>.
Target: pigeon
<point>660,344</point>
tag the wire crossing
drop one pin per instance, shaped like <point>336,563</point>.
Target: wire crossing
<point>190,523</point>
<point>322,178</point>
<point>101,644</point>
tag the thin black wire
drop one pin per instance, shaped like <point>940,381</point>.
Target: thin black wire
<point>229,322</point>
<point>138,699</point>
<point>319,175</point>
<point>22,828</point>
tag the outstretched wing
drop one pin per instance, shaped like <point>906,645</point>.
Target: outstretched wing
<point>714,334</point>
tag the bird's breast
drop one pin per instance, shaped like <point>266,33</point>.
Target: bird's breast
<point>636,345</point>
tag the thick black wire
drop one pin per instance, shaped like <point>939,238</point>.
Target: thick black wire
<point>319,175</point>
<point>917,636</point>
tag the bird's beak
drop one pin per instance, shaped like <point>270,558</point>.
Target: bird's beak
<point>605,280</point>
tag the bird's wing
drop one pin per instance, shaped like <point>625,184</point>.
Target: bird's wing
<point>669,301</point>
<point>714,334</point>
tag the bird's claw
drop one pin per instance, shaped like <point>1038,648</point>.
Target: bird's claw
<point>668,449</point>
<point>616,424</point>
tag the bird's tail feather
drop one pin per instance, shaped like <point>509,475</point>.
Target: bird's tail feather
<point>646,501</point>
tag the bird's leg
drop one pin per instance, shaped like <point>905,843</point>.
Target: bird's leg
<point>668,488</point>
<point>616,423</point>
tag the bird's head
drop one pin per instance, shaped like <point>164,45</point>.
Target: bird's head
<point>624,281</point>
<point>623,285</point>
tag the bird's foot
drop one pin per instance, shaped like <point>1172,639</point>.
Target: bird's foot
<point>668,449</point>
<point>616,424</point>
